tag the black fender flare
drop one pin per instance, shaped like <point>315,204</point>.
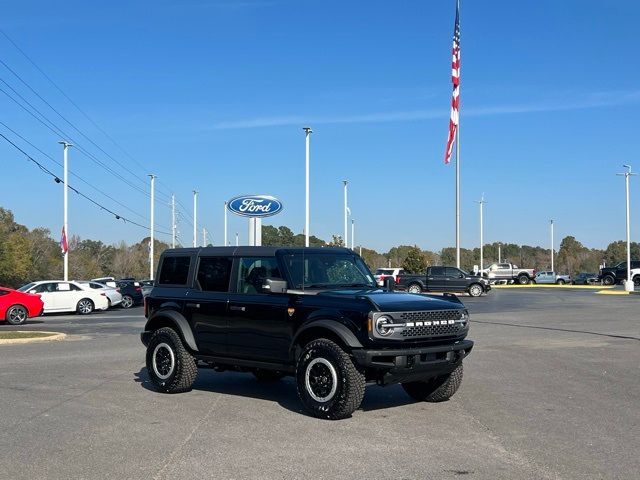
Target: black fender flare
<point>178,321</point>
<point>335,327</point>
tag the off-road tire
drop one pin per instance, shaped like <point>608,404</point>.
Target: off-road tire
<point>85,307</point>
<point>414,288</point>
<point>475,290</point>
<point>523,279</point>
<point>349,381</point>
<point>184,369</point>
<point>268,375</point>
<point>436,389</point>
<point>16,315</point>
<point>608,280</point>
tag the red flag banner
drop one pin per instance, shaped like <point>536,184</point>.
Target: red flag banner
<point>455,79</point>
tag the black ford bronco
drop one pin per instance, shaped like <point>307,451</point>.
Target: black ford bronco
<point>313,313</point>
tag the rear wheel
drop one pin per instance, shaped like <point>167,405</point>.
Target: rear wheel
<point>16,315</point>
<point>475,290</point>
<point>636,280</point>
<point>84,307</point>
<point>329,384</point>
<point>171,368</point>
<point>523,279</point>
<point>437,389</point>
<point>560,281</point>
<point>414,288</point>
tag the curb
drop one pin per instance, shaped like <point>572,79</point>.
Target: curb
<point>53,337</point>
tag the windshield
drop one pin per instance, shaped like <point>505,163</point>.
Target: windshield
<point>27,287</point>
<point>327,270</point>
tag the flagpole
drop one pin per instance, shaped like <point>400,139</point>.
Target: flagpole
<point>65,225</point>
<point>458,190</point>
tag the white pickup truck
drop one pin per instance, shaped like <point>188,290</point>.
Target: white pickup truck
<point>509,272</point>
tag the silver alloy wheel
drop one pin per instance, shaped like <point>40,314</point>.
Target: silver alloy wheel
<point>317,382</point>
<point>85,306</point>
<point>17,315</point>
<point>163,361</point>
<point>475,290</point>
<point>127,301</point>
<point>414,289</point>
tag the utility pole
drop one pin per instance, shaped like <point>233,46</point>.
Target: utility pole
<point>552,243</point>
<point>226,238</point>
<point>237,239</point>
<point>346,209</point>
<point>481,202</point>
<point>195,218</point>
<point>307,134</point>
<point>173,221</point>
<point>499,253</point>
<point>151,241</point>
<point>65,225</point>
<point>628,284</point>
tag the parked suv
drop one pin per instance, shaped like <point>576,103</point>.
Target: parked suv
<point>312,313</point>
<point>613,275</point>
<point>131,292</point>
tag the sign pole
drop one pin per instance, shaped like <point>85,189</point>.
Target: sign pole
<point>307,133</point>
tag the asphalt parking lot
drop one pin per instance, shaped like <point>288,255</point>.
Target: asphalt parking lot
<point>551,390</point>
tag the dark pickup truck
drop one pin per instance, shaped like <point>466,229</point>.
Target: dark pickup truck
<point>613,275</point>
<point>443,279</point>
<point>312,313</point>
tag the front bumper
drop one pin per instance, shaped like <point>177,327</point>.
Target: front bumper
<point>412,364</point>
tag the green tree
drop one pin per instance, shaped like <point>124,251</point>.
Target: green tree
<point>415,261</point>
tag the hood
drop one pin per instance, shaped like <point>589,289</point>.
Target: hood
<point>398,301</point>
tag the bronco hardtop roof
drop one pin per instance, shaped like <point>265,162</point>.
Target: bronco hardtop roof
<point>255,251</point>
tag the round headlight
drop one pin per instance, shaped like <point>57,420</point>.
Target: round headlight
<point>380,326</point>
<point>465,316</point>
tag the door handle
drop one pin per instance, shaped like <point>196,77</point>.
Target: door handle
<point>193,305</point>
<point>237,309</point>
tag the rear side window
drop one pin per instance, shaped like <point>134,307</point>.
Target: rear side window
<point>437,271</point>
<point>174,271</point>
<point>214,274</point>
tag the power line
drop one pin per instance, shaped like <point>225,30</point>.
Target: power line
<point>58,180</point>
<point>55,85</point>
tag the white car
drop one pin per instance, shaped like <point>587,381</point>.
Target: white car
<point>61,296</point>
<point>635,276</point>
<point>114,297</point>
<point>381,273</point>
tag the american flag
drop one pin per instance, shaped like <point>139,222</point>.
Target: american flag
<point>64,246</point>
<point>455,79</point>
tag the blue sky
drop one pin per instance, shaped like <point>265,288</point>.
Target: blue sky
<point>213,95</point>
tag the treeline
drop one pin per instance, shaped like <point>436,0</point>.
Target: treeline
<point>27,255</point>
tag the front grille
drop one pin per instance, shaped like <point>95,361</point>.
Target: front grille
<point>431,315</point>
<point>432,330</point>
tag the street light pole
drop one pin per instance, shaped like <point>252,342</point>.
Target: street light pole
<point>151,241</point>
<point>195,218</point>
<point>226,238</point>
<point>346,209</point>
<point>552,244</point>
<point>65,201</point>
<point>173,221</point>
<point>307,135</point>
<point>628,284</point>
<point>481,202</point>
<point>353,234</point>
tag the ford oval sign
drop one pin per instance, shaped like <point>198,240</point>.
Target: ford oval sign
<point>255,205</point>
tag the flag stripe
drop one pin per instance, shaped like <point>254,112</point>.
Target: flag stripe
<point>454,118</point>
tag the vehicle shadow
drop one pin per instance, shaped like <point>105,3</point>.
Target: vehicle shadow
<point>30,321</point>
<point>283,392</point>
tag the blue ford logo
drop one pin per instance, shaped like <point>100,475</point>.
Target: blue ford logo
<point>255,205</point>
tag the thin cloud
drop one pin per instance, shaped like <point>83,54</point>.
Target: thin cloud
<point>594,100</point>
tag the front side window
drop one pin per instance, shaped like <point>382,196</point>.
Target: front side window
<point>453,272</point>
<point>437,271</point>
<point>174,271</point>
<point>252,272</point>
<point>320,270</point>
<point>214,274</point>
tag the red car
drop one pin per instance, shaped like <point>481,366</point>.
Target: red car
<point>16,307</point>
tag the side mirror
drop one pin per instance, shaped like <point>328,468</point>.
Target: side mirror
<point>461,275</point>
<point>274,285</point>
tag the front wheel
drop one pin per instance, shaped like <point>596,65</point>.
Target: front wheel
<point>523,280</point>
<point>414,288</point>
<point>16,315</point>
<point>329,384</point>
<point>84,307</point>
<point>475,290</point>
<point>437,389</point>
<point>127,301</point>
<point>171,368</point>
<point>608,280</point>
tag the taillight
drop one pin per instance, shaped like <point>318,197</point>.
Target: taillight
<point>138,289</point>
<point>398,279</point>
